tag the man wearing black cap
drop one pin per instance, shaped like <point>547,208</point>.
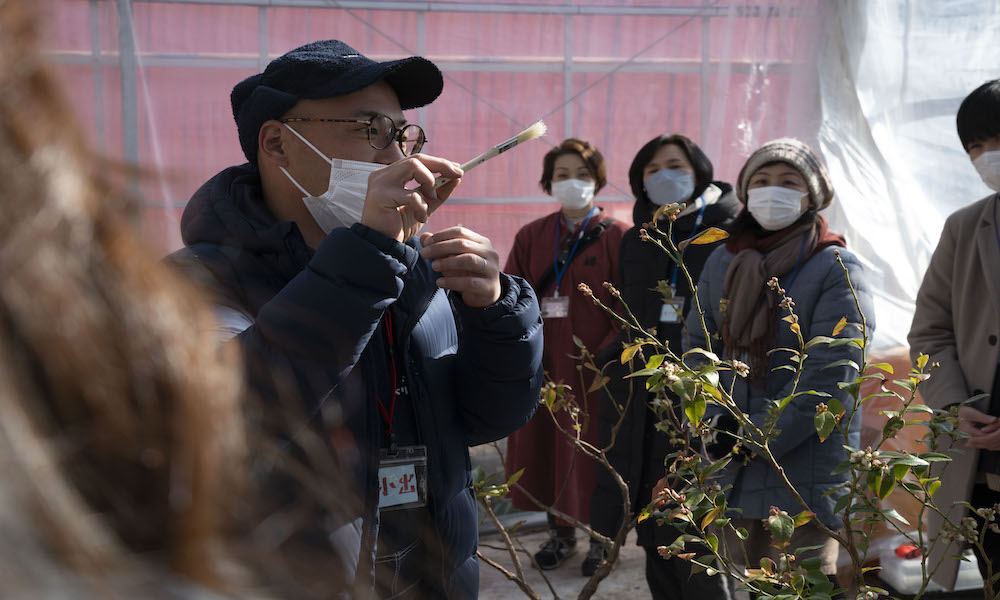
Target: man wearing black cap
<point>402,352</point>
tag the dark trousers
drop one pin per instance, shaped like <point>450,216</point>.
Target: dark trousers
<point>984,497</point>
<point>671,579</point>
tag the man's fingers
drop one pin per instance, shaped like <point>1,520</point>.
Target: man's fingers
<point>467,263</point>
<point>446,168</point>
<point>444,192</point>
<point>457,232</point>
<point>985,441</point>
<point>414,203</point>
<point>441,249</point>
<point>976,416</point>
<point>465,284</point>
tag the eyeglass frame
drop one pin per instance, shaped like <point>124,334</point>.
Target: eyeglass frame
<point>395,137</point>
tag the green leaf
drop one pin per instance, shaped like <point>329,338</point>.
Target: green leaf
<point>717,466</point>
<point>842,503</point>
<point>859,342</point>
<point>905,459</point>
<point>884,366</point>
<point>712,356</point>
<point>824,422</point>
<point>922,361</point>
<point>694,409</point>
<point>513,478</point>
<point>842,468</point>
<point>819,339</point>
<point>935,457</point>
<point>781,527</point>
<point>933,487</point>
<point>578,342</point>
<point>922,408</point>
<point>742,533</point>
<point>846,362</point>
<point>888,483</point>
<point>802,518</point>
<point>836,407</point>
<point>642,373</point>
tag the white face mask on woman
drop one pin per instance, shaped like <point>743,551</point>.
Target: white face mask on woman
<point>988,167</point>
<point>342,203</point>
<point>667,186</point>
<point>775,207</point>
<point>573,194</point>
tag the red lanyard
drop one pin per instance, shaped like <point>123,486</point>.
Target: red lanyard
<point>387,414</point>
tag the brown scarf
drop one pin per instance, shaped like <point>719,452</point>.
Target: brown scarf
<point>751,309</point>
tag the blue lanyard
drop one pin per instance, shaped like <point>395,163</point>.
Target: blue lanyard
<point>697,224</point>
<point>798,261</point>
<point>561,272</point>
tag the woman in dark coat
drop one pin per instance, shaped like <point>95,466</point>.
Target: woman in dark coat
<point>668,169</point>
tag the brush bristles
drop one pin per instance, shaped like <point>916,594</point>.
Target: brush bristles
<point>536,130</point>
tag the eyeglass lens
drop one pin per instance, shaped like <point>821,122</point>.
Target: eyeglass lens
<point>382,132</point>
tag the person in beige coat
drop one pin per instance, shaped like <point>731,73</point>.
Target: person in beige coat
<point>957,323</point>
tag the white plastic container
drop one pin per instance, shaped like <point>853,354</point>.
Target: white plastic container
<point>903,574</point>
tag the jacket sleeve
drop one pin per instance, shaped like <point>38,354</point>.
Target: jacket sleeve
<point>499,371</point>
<point>835,302</point>
<point>932,331</point>
<point>311,334</point>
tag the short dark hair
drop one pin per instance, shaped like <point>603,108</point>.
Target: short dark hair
<point>587,152</point>
<point>702,166</point>
<point>978,117</point>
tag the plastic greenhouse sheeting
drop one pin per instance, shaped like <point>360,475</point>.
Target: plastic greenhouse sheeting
<point>872,85</point>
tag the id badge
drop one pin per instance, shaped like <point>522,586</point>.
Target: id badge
<point>672,311</point>
<point>555,307</point>
<point>402,478</point>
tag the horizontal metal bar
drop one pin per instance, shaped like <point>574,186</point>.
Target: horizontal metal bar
<point>471,7</point>
<point>447,64</point>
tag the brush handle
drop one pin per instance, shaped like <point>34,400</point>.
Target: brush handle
<point>485,156</point>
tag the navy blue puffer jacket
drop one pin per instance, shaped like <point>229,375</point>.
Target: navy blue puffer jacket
<point>308,325</point>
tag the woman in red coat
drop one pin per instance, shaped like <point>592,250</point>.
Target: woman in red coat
<point>578,244</point>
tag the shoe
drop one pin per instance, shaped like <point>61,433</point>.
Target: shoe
<point>555,551</point>
<point>595,556</point>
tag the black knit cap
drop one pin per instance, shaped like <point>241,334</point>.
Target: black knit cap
<point>325,69</point>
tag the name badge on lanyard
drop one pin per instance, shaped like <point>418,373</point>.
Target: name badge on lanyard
<point>555,307</point>
<point>402,470</point>
<point>402,478</point>
<point>672,311</point>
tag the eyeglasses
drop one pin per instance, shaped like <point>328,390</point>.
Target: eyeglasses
<point>382,131</point>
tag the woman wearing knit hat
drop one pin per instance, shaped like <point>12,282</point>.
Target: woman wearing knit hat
<point>781,234</point>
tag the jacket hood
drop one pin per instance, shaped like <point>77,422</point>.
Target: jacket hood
<point>229,212</point>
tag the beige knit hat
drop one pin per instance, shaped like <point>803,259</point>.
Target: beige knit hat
<point>800,156</point>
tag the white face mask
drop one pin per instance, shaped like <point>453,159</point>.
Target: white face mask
<point>667,186</point>
<point>573,194</point>
<point>775,207</point>
<point>342,203</point>
<point>988,167</point>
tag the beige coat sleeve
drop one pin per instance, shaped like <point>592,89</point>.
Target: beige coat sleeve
<point>933,330</point>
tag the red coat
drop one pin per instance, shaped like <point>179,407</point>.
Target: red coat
<point>554,471</point>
